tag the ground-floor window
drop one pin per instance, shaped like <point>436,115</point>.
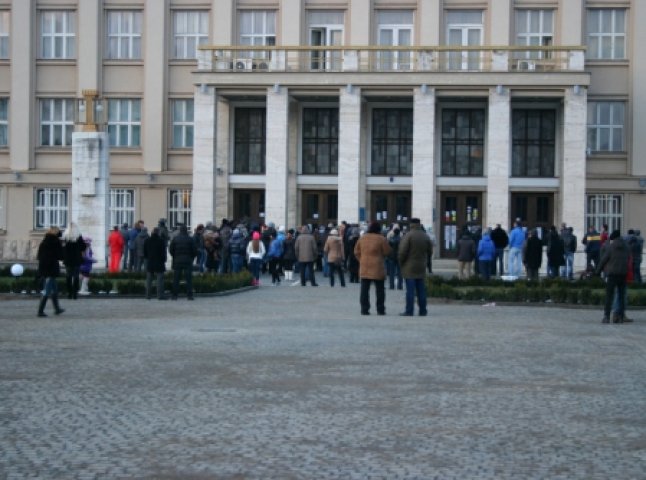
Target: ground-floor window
<point>179,208</point>
<point>604,209</point>
<point>122,206</point>
<point>50,205</point>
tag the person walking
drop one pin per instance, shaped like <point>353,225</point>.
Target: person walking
<point>486,255</point>
<point>116,245</point>
<point>333,251</point>
<point>255,255</point>
<point>371,250</point>
<point>50,253</point>
<point>466,254</point>
<point>155,255</point>
<point>73,249</point>
<point>182,249</point>
<point>615,262</point>
<point>516,242</point>
<point>413,253</point>
<point>533,255</point>
<point>306,253</point>
<point>500,240</point>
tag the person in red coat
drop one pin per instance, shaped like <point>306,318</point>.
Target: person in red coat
<point>115,243</point>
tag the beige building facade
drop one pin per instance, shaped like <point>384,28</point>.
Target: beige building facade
<point>459,112</point>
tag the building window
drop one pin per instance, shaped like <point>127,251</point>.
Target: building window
<point>56,122</point>
<point>534,28</point>
<point>392,141</point>
<point>57,35</point>
<point>122,206</point>
<point>250,139</point>
<point>463,142</point>
<point>4,34</point>
<point>606,34</point>
<point>257,27</point>
<point>124,35</point>
<point>51,208</point>
<point>124,122</point>
<point>182,123</point>
<point>604,209</point>
<point>533,143</point>
<point>190,30</point>
<point>464,28</point>
<point>179,208</point>
<point>325,29</point>
<point>394,29</point>
<point>320,141</point>
<point>606,126</point>
<point>4,122</point>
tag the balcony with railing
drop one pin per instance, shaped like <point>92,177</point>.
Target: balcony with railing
<point>376,59</point>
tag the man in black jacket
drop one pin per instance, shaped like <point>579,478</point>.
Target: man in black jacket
<point>182,249</point>
<point>500,241</point>
<point>615,262</point>
<point>155,255</point>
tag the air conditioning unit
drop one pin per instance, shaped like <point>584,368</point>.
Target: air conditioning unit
<point>243,64</point>
<point>526,65</point>
<point>262,65</point>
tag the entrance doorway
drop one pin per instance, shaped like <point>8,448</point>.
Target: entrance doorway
<point>320,207</point>
<point>249,205</point>
<point>391,207</point>
<point>535,210</point>
<point>458,209</point>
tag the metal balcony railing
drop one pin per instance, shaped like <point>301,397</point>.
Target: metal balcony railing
<point>374,59</point>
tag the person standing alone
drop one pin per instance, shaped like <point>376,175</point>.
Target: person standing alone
<point>371,250</point>
<point>414,250</point>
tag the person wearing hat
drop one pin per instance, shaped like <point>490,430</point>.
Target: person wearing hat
<point>333,250</point>
<point>371,251</point>
<point>614,261</point>
<point>255,255</point>
<point>306,254</point>
<point>414,250</point>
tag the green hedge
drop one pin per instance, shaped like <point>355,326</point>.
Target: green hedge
<point>130,284</point>
<point>583,292</point>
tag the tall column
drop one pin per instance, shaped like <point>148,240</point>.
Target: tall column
<point>638,68</point>
<point>501,14</point>
<point>423,155</point>
<point>291,12</point>
<point>571,31</point>
<point>352,195</point>
<point>22,84</point>
<point>429,16</point>
<point>223,16</point>
<point>572,189</point>
<point>222,134</point>
<point>90,188</point>
<point>155,72</point>
<point>276,158</point>
<point>204,168</point>
<point>88,61</point>
<point>498,157</point>
<point>360,16</point>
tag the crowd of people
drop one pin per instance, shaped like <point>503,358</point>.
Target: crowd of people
<point>368,253</point>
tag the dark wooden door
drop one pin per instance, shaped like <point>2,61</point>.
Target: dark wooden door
<point>249,205</point>
<point>391,207</point>
<point>320,207</point>
<point>535,210</point>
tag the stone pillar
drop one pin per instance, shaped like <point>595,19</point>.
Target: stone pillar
<point>88,44</point>
<point>351,193</point>
<point>222,134</point>
<point>276,167</point>
<point>360,12</point>
<point>429,14</point>
<point>204,168</point>
<point>423,155</point>
<point>500,19</point>
<point>91,189</point>
<point>498,158</point>
<point>573,177</point>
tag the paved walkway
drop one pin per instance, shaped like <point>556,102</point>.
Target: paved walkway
<point>292,383</point>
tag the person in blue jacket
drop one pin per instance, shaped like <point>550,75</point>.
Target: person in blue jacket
<point>486,254</point>
<point>516,242</point>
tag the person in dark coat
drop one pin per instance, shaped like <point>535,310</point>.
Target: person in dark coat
<point>412,255</point>
<point>555,253</point>
<point>500,240</point>
<point>182,249</point>
<point>306,253</point>
<point>73,249</point>
<point>533,255</point>
<point>466,254</point>
<point>614,260</point>
<point>140,258</point>
<point>155,256</point>
<point>50,253</point>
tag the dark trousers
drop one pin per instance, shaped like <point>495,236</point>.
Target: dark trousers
<point>485,268</point>
<point>188,277</point>
<point>394,272</point>
<point>307,272</point>
<point>592,260</point>
<point>615,282</point>
<point>274,269</point>
<point>72,281</point>
<point>500,255</point>
<point>415,286</point>
<point>364,297</point>
<point>160,284</point>
<point>336,268</point>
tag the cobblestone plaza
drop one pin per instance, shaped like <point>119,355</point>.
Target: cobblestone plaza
<point>292,383</point>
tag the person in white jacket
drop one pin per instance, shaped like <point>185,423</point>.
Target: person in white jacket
<point>255,256</point>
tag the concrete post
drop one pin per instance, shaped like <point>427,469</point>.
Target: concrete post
<point>498,157</point>
<point>423,155</point>
<point>204,168</point>
<point>351,195</point>
<point>276,159</point>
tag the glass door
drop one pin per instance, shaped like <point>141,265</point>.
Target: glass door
<point>464,29</point>
<point>459,211</point>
